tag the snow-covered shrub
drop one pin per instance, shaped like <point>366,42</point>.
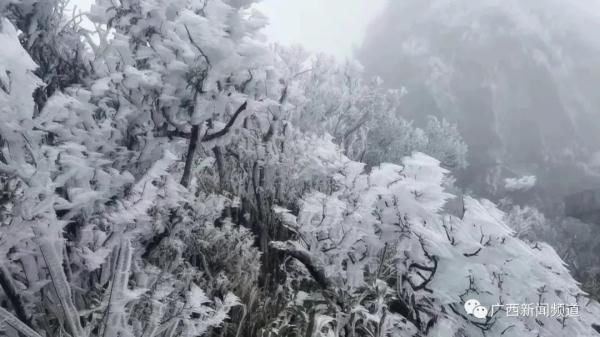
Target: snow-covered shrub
<point>393,138</point>
<point>362,116</point>
<point>228,256</point>
<point>439,262</point>
<point>92,227</point>
<point>527,222</point>
<point>576,242</point>
<point>53,40</point>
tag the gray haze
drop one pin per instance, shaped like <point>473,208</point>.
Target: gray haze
<point>332,26</point>
<point>520,78</point>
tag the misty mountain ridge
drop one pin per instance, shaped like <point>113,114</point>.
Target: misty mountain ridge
<point>519,78</point>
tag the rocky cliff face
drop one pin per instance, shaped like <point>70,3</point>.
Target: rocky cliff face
<point>520,77</point>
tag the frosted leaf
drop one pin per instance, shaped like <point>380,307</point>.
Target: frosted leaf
<point>17,78</point>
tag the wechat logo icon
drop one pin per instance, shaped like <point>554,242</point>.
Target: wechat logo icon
<point>474,308</point>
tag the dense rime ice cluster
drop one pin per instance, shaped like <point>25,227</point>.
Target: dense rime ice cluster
<point>439,261</point>
<point>169,193</point>
<point>361,115</point>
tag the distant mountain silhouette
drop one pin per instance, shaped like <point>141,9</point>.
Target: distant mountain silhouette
<point>521,78</point>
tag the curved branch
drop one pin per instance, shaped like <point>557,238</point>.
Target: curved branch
<point>303,256</point>
<point>225,130</point>
<point>197,46</point>
<point>472,254</point>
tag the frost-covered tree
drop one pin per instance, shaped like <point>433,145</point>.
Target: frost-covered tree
<point>362,116</point>
<point>53,39</point>
<point>393,138</point>
<point>335,98</point>
<point>386,261</point>
<point>90,198</point>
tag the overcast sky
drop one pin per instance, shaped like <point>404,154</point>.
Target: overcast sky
<point>332,26</point>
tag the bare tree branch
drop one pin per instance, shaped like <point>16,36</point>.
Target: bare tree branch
<point>189,159</point>
<point>197,46</point>
<point>224,130</point>
<point>303,256</point>
<point>10,320</point>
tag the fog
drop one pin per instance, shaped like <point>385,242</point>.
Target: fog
<point>335,27</point>
<point>520,78</point>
